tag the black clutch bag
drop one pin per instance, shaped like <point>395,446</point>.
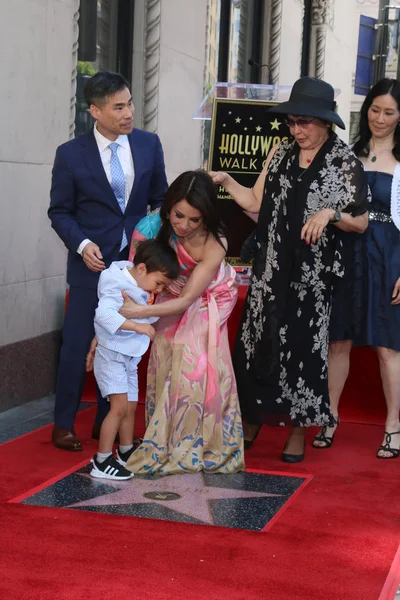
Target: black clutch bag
<point>249,248</point>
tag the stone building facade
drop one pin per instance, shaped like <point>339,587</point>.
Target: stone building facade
<point>171,51</point>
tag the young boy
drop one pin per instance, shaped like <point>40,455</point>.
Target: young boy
<point>121,345</point>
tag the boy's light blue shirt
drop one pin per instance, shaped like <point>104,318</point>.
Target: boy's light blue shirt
<point>107,320</point>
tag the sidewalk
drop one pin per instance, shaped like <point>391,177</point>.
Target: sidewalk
<point>29,417</point>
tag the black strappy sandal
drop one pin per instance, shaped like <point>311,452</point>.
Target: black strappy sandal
<point>386,447</point>
<point>328,441</point>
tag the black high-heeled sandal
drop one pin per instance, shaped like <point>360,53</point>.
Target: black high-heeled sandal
<point>247,444</point>
<point>322,437</point>
<point>395,453</point>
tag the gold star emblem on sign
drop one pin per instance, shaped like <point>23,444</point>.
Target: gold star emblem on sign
<point>275,124</point>
<point>258,128</point>
<point>237,120</point>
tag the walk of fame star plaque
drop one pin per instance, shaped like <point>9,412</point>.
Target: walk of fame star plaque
<point>247,500</point>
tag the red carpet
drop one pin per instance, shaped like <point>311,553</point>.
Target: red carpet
<point>337,540</point>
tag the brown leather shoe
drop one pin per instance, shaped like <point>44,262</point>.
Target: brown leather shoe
<point>65,439</point>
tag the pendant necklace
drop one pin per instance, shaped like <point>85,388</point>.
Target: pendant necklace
<point>299,178</point>
<point>308,161</point>
<point>314,152</point>
<point>312,156</point>
<point>376,155</point>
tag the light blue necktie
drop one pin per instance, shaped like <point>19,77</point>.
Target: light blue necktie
<point>118,184</point>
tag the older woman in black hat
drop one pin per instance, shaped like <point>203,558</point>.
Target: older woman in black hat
<point>311,190</point>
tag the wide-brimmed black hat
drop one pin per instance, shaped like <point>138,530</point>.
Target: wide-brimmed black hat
<point>311,97</point>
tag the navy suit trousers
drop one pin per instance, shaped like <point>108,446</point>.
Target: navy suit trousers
<point>78,332</point>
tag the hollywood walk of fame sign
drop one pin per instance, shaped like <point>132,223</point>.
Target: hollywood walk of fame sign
<point>243,500</point>
<point>243,133</point>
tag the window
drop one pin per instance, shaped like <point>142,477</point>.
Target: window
<point>105,44</point>
<point>235,34</point>
<point>354,126</point>
<point>240,39</point>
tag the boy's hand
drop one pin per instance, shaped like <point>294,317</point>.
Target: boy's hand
<point>396,292</point>
<point>146,329</point>
<point>90,355</point>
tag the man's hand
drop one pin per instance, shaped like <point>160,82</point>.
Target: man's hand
<point>90,355</point>
<point>92,257</point>
<point>312,230</point>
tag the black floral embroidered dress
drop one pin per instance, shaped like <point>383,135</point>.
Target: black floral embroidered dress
<point>281,351</point>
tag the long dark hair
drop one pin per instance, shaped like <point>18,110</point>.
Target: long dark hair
<point>382,88</point>
<point>199,190</point>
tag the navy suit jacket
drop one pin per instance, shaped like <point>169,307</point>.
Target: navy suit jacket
<point>83,204</point>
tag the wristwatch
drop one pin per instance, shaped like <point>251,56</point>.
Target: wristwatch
<point>336,217</point>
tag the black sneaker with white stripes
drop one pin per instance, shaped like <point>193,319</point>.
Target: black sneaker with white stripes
<point>122,457</point>
<point>109,469</point>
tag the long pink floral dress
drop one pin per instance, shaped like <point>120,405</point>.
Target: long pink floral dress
<point>192,410</point>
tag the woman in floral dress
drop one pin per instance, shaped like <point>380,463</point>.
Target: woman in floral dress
<point>309,186</point>
<point>192,410</point>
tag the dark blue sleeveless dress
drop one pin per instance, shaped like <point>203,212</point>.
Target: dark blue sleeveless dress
<point>362,309</point>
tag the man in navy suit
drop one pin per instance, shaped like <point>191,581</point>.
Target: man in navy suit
<point>102,183</point>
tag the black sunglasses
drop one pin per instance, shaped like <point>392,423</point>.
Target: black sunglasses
<point>300,122</point>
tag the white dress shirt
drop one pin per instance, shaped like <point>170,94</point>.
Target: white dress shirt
<point>126,160</point>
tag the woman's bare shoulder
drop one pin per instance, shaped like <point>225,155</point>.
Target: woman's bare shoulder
<point>212,245</point>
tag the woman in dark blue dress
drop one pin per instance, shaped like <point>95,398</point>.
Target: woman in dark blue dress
<point>375,318</point>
